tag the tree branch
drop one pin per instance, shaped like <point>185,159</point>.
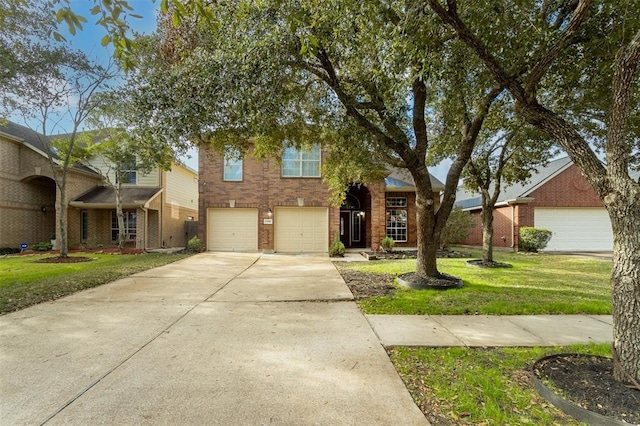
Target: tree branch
<point>626,65</point>
<point>565,39</point>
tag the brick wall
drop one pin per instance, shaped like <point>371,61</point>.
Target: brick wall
<point>262,187</point>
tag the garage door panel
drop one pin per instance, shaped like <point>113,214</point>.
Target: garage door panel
<point>301,230</point>
<point>232,229</point>
<point>584,229</point>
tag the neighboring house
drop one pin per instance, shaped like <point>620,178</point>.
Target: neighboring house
<point>282,206</point>
<point>157,206</point>
<point>557,197</point>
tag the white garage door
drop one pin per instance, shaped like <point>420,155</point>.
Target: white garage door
<point>576,229</point>
<point>232,229</point>
<point>301,230</point>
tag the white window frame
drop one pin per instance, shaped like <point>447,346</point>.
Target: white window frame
<point>231,163</point>
<point>126,172</point>
<point>130,225</point>
<point>397,202</point>
<point>294,161</point>
<point>397,219</point>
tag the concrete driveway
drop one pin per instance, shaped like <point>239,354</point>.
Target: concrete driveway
<point>218,338</point>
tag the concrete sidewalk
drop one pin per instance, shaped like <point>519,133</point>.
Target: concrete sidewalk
<point>488,331</point>
<point>230,339</point>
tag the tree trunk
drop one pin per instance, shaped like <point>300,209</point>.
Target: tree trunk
<point>625,288</point>
<point>62,222</point>
<point>120,217</point>
<point>487,233</point>
<point>428,239</point>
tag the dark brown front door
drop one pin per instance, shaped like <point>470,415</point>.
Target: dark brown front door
<point>352,228</point>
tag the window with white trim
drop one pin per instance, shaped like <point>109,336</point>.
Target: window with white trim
<point>130,218</point>
<point>232,169</point>
<point>296,163</point>
<point>396,218</point>
<point>127,172</point>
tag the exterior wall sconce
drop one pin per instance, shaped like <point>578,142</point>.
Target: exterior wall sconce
<point>269,212</point>
<point>43,209</point>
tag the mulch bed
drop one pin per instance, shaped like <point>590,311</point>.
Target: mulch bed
<point>443,282</point>
<point>58,259</point>
<point>588,382</point>
<point>412,254</point>
<point>364,285</point>
<point>482,264</point>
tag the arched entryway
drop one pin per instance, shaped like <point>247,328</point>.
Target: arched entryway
<point>355,213</point>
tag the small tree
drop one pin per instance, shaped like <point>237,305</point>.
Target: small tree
<point>55,100</point>
<point>509,151</point>
<point>115,149</point>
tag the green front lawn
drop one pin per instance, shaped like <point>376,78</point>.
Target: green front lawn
<point>24,283</point>
<point>537,284</point>
<point>480,386</point>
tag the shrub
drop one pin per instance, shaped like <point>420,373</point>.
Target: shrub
<point>534,239</point>
<point>8,250</point>
<point>387,243</point>
<point>337,248</point>
<point>457,228</point>
<point>194,245</point>
<point>44,246</point>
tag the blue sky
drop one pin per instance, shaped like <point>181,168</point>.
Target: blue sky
<point>89,39</point>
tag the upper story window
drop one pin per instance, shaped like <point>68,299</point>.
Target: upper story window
<point>296,163</point>
<point>128,174</point>
<point>232,169</point>
<point>396,202</point>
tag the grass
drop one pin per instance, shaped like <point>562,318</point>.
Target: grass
<point>480,386</point>
<point>537,284</point>
<point>24,283</point>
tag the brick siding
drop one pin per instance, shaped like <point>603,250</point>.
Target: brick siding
<point>568,189</point>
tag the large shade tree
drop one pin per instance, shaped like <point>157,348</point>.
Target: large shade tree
<point>548,55</point>
<point>367,79</point>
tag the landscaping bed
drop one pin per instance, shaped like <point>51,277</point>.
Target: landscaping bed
<point>587,383</point>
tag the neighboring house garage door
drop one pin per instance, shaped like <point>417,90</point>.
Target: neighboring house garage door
<point>576,229</point>
<point>301,230</point>
<point>232,229</point>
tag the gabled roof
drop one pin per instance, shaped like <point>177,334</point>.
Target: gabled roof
<point>519,192</point>
<point>105,197</point>
<point>36,141</point>
<point>401,180</point>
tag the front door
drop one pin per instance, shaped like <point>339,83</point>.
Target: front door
<point>345,227</point>
<point>352,227</point>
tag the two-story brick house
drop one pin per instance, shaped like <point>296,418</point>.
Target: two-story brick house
<point>269,205</point>
<point>156,205</point>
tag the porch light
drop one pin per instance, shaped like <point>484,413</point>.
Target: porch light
<point>269,212</point>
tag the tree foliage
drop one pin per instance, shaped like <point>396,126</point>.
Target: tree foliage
<point>374,83</point>
<point>549,55</point>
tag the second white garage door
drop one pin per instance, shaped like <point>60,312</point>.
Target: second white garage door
<point>576,229</point>
<point>232,229</point>
<point>301,230</point>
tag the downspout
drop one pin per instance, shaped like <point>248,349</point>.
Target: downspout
<point>146,226</point>
<point>513,226</point>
